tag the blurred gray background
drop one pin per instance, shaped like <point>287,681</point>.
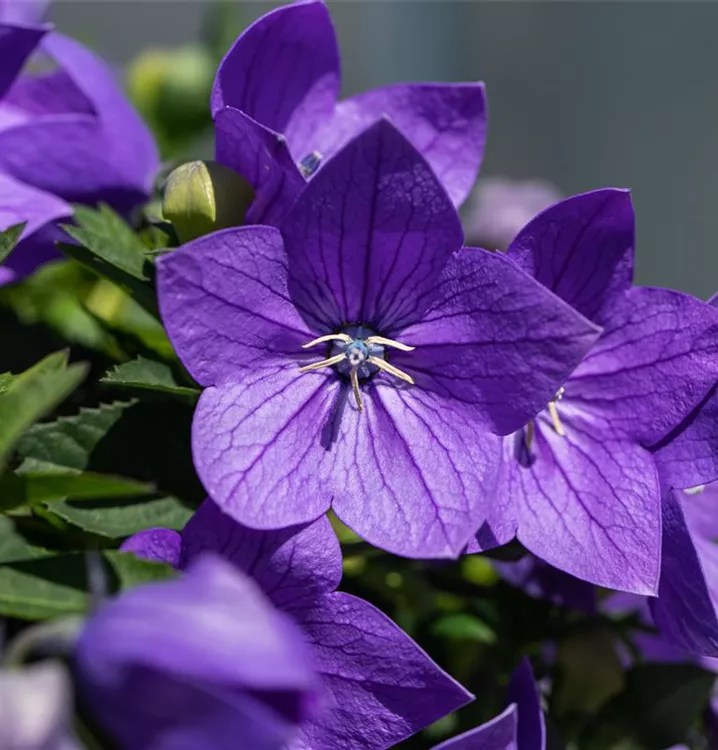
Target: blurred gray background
<point>583,94</point>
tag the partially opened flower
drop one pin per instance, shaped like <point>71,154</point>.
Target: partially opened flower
<point>579,484</point>
<point>380,686</point>
<point>66,134</point>
<point>196,663</point>
<point>277,115</point>
<point>357,360</point>
<point>688,456</point>
<point>520,727</point>
<point>36,708</point>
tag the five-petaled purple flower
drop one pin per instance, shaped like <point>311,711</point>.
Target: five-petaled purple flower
<point>380,686</point>
<point>198,663</point>
<point>277,117</point>
<point>359,359</point>
<point>66,135</point>
<point>579,485</point>
<point>520,727</point>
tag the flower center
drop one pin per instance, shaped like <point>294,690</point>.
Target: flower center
<point>357,353</point>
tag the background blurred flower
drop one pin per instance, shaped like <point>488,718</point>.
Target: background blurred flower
<point>196,662</point>
<point>381,687</point>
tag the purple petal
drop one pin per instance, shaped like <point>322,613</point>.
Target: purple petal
<point>495,343</point>
<point>17,43</point>
<point>46,94</point>
<point>178,661</point>
<point>688,456</point>
<point>22,11</point>
<point>419,474</point>
<point>581,249</point>
<point>261,447</point>
<point>290,565</point>
<point>656,361</point>
<point>263,159</point>
<point>370,235</point>
<point>499,208</point>
<point>225,305</point>
<point>381,686</point>
<point>446,123</point>
<point>283,72</point>
<point>109,155</point>
<point>699,507</point>
<point>587,503</point>
<point>523,692</point>
<point>159,545</point>
<point>685,610</point>
<point>497,734</point>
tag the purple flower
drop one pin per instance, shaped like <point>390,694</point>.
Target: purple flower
<point>277,115</point>
<point>688,456</point>
<point>520,727</point>
<point>68,132</point>
<point>381,687</point>
<point>36,708</point>
<point>23,12</point>
<point>195,663</point>
<point>356,360</point>
<point>499,208</point>
<point>579,484</point>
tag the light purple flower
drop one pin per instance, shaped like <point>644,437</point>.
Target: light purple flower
<point>688,456</point>
<point>36,708</point>
<point>520,727</point>
<point>196,663</point>
<point>500,207</point>
<point>396,436</point>
<point>23,12</point>
<point>579,485</point>
<point>381,687</point>
<point>66,135</point>
<point>277,115</point>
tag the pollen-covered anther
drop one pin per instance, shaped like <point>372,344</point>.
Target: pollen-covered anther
<point>553,411</point>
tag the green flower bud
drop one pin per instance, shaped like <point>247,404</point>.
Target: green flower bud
<point>203,196</point>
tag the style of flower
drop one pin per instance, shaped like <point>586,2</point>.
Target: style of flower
<point>277,115</point>
<point>196,662</point>
<point>579,484</point>
<point>520,727</point>
<point>69,133</point>
<point>356,360</point>
<point>380,687</point>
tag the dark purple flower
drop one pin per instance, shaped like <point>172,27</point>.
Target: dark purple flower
<point>357,360</point>
<point>67,134</point>
<point>195,664</point>
<point>36,708</point>
<point>499,208</point>
<point>579,484</point>
<point>381,687</point>
<point>277,115</point>
<point>520,727</point>
<point>688,456</point>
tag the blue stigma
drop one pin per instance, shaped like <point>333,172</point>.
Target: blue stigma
<point>310,163</point>
<point>358,352</point>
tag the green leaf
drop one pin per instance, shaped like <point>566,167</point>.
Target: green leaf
<point>656,710</point>
<point>145,441</point>
<point>58,585</point>
<point>463,627</point>
<point>28,488</point>
<point>150,375</point>
<point>13,545</point>
<point>9,239</point>
<point>119,519</point>
<point>110,238</point>
<point>30,395</point>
